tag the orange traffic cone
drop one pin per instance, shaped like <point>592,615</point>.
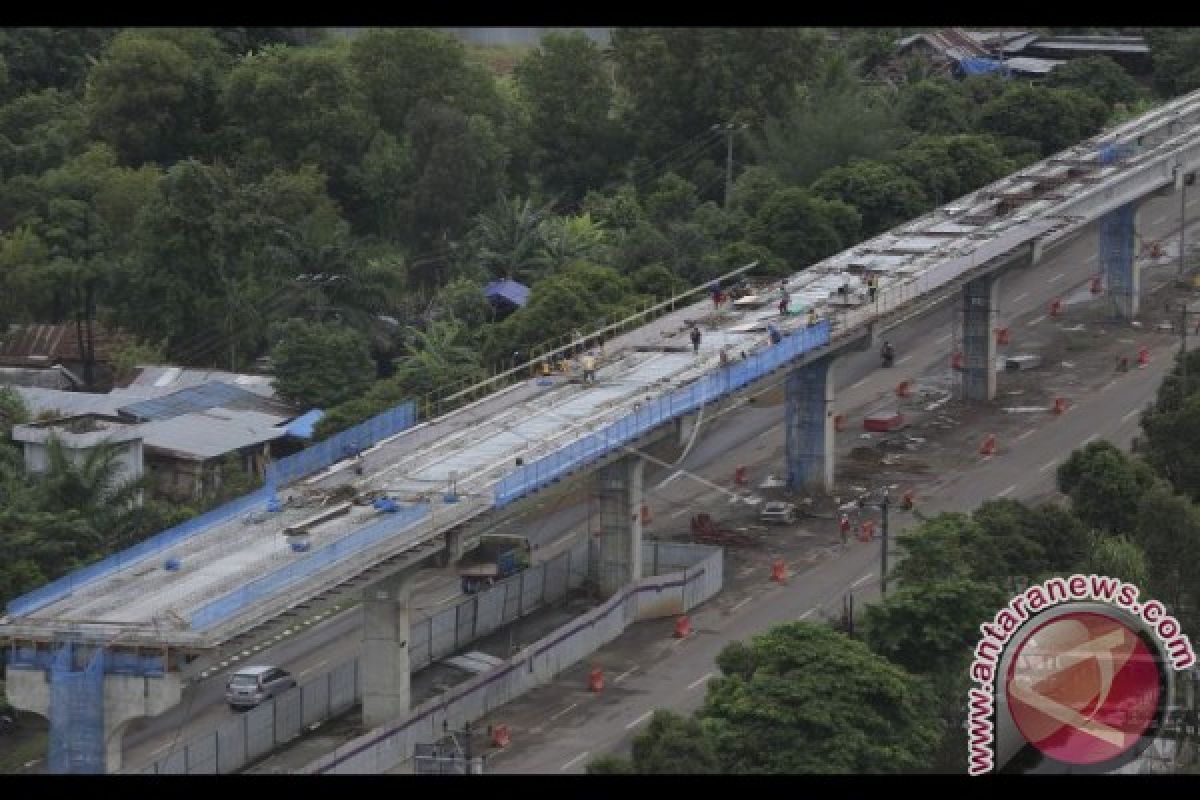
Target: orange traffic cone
<point>906,502</point>
<point>739,476</point>
<point>956,361</point>
<point>1097,284</point>
<point>778,570</point>
<point>1056,306</point>
<point>904,389</point>
<point>596,680</point>
<point>646,515</point>
<point>1143,357</point>
<point>683,627</point>
<point>1060,405</point>
<point>988,448</point>
<point>867,532</point>
<point>839,423</point>
<point>500,736</point>
<point>1001,335</point>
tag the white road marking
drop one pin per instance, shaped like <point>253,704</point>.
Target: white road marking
<point>1054,278</point>
<point>1091,439</point>
<point>857,384</point>
<point>740,604</point>
<point>700,680</point>
<point>625,674</point>
<point>318,665</point>
<point>1008,491</point>
<point>640,720</point>
<point>573,761</point>
<point>902,360</point>
<point>1048,465</point>
<point>566,710</point>
<point>862,580</point>
<point>679,512</point>
<point>808,613</point>
<point>1090,258</point>
<point>672,477</point>
<point>1036,321</point>
<point>1130,414</point>
<point>1027,434</point>
<point>1021,296</point>
<point>941,339</point>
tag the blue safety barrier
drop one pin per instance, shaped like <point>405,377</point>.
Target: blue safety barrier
<point>56,590</point>
<point>326,557</point>
<point>590,448</point>
<point>342,445</point>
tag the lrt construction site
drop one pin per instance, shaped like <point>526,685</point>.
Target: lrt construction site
<point>697,486</point>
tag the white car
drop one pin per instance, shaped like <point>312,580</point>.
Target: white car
<point>250,686</point>
<point>778,513</point>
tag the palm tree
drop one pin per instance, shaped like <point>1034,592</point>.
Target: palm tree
<point>506,235</point>
<point>566,240</point>
<point>438,357</point>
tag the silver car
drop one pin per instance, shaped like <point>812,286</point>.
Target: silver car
<point>250,686</point>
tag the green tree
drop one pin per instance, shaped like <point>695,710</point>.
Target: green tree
<point>1054,118</point>
<point>1175,53</point>
<point>567,86</point>
<point>1105,486</point>
<point>610,765</point>
<point>1168,532</point>
<point>40,130</point>
<point>319,366</point>
<point>883,195</point>
<point>1172,433</point>
<point>680,81</point>
<point>669,199</point>
<point>674,745</point>
<point>565,240</point>
<point>947,167</point>
<point>438,359</point>
<point>802,698</point>
<point>936,106</point>
<point>505,236</point>
<point>1118,557</point>
<point>50,58</point>
<point>801,228</point>
<point>1100,77</point>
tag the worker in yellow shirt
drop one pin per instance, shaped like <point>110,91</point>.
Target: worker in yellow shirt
<point>589,368</point>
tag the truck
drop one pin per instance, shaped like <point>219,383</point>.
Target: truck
<point>496,558</point>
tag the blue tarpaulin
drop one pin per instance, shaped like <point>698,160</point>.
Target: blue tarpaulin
<point>508,291</point>
<point>302,426</point>
<point>982,66</point>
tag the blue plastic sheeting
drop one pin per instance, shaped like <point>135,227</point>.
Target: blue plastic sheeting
<point>56,590</point>
<point>1112,153</point>
<point>76,715</point>
<point>507,290</point>
<point>982,66</point>
<point>344,445</point>
<point>318,560</point>
<point>303,425</point>
<point>534,476</point>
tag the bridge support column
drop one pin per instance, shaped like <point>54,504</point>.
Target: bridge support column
<point>385,671</point>
<point>88,716</point>
<point>615,509</point>
<point>979,339</point>
<point>1118,260</point>
<point>809,426</point>
<point>686,426</point>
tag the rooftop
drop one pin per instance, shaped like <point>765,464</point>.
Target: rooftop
<point>199,398</point>
<point>172,378</point>
<point>202,435</point>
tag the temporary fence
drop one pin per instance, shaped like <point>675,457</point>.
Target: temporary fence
<point>650,415</point>
<point>386,748</point>
<point>308,564</point>
<point>77,714</point>
<point>58,589</point>
<point>342,445</point>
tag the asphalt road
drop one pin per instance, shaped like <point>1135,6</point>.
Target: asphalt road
<point>919,344</point>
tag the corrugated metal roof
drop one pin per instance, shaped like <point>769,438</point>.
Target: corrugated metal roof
<point>513,292</point>
<point>199,398</point>
<point>52,378</point>
<point>203,435</point>
<point>39,400</point>
<point>1033,66</point>
<point>176,378</point>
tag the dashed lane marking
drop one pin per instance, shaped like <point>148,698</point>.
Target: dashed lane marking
<point>573,761</point>
<point>1008,491</point>
<point>1091,439</point>
<point>639,720</point>
<point>1047,465</point>
<point>1033,322</point>
<point>1021,296</point>
<point>808,613</point>
<point>699,680</point>
<point>1054,278</point>
<point>680,512</point>
<point>1130,414</point>
<point>862,580</point>
<point>1027,434</point>
<point>625,674</point>
<point>566,710</point>
<point>740,604</point>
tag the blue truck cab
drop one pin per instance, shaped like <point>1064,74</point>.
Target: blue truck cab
<point>496,558</point>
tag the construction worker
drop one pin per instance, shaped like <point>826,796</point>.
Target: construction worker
<point>872,287</point>
<point>844,528</point>
<point>783,305</point>
<point>589,367</point>
<point>695,337</point>
<point>715,289</point>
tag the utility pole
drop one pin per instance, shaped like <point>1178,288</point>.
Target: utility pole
<point>1182,218</point>
<point>729,129</point>
<point>1183,323</point>
<point>883,544</point>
